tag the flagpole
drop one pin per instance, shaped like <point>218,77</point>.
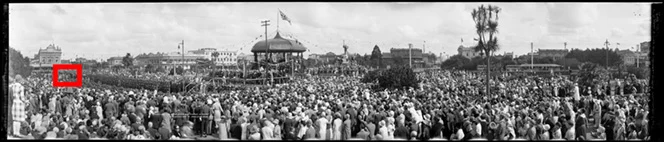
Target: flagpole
<point>278,19</point>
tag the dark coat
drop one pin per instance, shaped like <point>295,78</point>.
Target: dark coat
<point>436,129</point>
<point>402,132</point>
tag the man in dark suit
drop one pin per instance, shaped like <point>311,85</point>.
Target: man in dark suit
<point>206,119</point>
<point>155,118</point>
<point>401,131</point>
<point>437,128</point>
<point>235,129</point>
<point>289,127</point>
<point>353,118</point>
<point>581,122</point>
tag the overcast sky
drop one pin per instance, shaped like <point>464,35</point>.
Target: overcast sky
<point>100,31</point>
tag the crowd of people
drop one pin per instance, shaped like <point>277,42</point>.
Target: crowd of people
<point>448,105</point>
<point>338,69</point>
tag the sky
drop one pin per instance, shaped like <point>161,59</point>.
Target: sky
<point>103,30</point>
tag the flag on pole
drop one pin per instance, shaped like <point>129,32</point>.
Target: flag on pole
<point>284,17</point>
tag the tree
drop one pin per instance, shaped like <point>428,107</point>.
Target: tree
<point>215,55</point>
<point>486,24</point>
<point>572,63</point>
<point>18,64</point>
<point>592,74</point>
<point>596,56</point>
<point>399,77</point>
<point>455,62</point>
<point>127,60</point>
<point>160,69</point>
<point>377,55</point>
<point>150,68</point>
<point>178,70</point>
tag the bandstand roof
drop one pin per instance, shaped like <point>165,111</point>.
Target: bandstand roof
<point>278,44</point>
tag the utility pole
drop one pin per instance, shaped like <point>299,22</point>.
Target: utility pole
<point>175,71</point>
<point>267,47</point>
<point>564,59</point>
<point>531,56</point>
<point>638,55</point>
<point>607,53</point>
<point>410,55</point>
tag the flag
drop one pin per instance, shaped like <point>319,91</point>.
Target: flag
<point>178,46</point>
<point>284,17</point>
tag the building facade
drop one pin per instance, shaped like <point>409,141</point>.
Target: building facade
<point>115,61</point>
<point>225,58</point>
<point>468,52</point>
<point>402,56</point>
<point>52,54</point>
<point>429,59</point>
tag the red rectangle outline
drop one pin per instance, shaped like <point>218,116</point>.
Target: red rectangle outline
<point>79,75</point>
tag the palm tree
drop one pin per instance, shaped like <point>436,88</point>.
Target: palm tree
<point>486,23</point>
<point>215,55</point>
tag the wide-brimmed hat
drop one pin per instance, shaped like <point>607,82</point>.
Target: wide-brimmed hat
<point>493,125</point>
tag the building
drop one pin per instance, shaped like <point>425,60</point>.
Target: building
<point>644,53</point>
<point>314,56</point>
<point>645,47</point>
<point>47,57</point>
<point>632,58</point>
<point>556,54</point>
<point>429,59</point>
<point>508,54</point>
<point>329,57</point>
<point>85,62</point>
<point>224,58</point>
<point>171,60</point>
<point>468,52</point>
<point>402,56</point>
<point>115,61</point>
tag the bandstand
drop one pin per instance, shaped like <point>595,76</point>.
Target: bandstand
<point>277,49</point>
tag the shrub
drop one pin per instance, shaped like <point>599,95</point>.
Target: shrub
<point>400,77</point>
<point>371,76</point>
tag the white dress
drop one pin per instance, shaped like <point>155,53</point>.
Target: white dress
<point>337,129</point>
<point>322,124</point>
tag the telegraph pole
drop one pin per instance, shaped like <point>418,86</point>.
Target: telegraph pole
<point>607,53</point>
<point>267,47</point>
<point>638,55</point>
<point>410,55</point>
<point>531,56</point>
<point>175,71</point>
<point>564,60</point>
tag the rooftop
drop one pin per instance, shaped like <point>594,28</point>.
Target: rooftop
<point>51,48</point>
<point>278,44</point>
